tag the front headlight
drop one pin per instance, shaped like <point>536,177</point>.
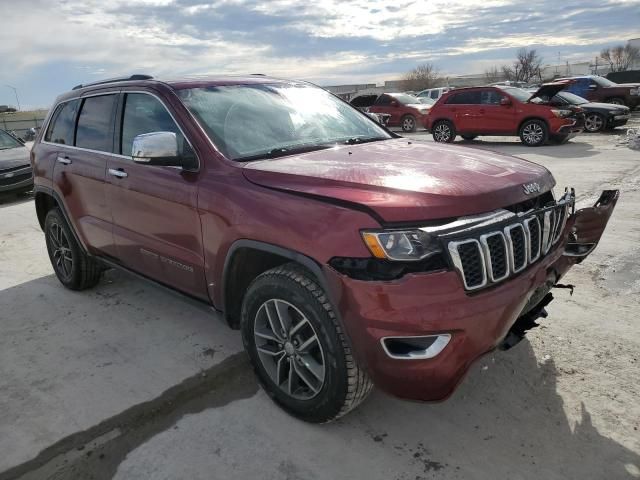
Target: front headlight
<point>562,113</point>
<point>401,245</point>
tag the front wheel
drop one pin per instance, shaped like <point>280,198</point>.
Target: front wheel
<point>593,122</point>
<point>444,131</point>
<point>534,133</point>
<point>616,101</point>
<point>408,123</point>
<point>298,350</point>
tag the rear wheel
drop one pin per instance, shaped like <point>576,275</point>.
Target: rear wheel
<point>468,138</point>
<point>408,123</point>
<point>616,101</point>
<point>73,267</point>
<point>594,122</point>
<point>297,347</point>
<point>444,131</point>
<point>534,133</point>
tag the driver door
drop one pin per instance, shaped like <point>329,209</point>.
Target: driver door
<point>156,226</point>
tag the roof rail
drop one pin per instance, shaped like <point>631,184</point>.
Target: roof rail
<point>115,79</point>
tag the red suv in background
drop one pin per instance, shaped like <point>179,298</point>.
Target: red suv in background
<point>475,111</point>
<point>406,110</point>
<point>347,256</point>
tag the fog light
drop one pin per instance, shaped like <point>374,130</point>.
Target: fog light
<point>415,348</point>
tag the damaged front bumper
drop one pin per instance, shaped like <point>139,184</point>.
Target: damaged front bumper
<point>426,309</point>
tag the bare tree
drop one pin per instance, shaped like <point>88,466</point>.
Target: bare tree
<point>620,57</point>
<point>527,65</point>
<point>493,74</point>
<point>421,77</point>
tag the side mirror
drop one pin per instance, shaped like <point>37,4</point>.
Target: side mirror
<point>592,87</point>
<point>505,101</point>
<point>157,148</point>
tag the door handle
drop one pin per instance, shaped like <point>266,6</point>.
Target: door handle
<point>64,160</point>
<point>118,173</point>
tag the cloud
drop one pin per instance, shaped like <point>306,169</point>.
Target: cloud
<point>325,40</point>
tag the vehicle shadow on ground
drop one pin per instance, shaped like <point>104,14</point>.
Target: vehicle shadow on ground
<point>11,199</point>
<point>507,420</point>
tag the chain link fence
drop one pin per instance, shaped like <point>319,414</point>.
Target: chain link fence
<point>21,122</point>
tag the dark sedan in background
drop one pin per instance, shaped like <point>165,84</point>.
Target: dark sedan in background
<point>597,116</point>
<point>16,175</point>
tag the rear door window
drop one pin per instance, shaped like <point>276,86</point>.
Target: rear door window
<point>62,122</point>
<point>464,98</point>
<point>95,123</point>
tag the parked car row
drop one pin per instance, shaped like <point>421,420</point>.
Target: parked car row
<point>553,112</point>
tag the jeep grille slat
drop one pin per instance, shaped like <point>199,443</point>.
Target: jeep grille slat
<point>497,255</point>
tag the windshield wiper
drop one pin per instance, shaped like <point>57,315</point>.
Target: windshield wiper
<point>356,140</point>
<point>282,152</point>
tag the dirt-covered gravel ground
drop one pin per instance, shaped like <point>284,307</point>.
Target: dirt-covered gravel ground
<point>126,381</point>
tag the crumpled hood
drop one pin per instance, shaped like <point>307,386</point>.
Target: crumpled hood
<point>14,157</point>
<point>405,180</point>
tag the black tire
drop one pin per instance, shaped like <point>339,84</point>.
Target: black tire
<point>534,133</point>
<point>80,271</point>
<point>344,386</point>
<point>468,138</point>
<point>443,131</point>
<point>616,101</point>
<point>594,122</point>
<point>408,123</point>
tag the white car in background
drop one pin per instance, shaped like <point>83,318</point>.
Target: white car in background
<point>433,93</point>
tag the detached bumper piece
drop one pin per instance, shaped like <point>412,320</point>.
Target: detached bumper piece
<point>589,224</point>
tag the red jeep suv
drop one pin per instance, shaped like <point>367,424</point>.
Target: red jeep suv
<point>504,110</point>
<point>346,255</point>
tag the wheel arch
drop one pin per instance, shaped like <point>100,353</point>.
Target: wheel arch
<point>45,200</point>
<point>533,117</point>
<point>245,260</point>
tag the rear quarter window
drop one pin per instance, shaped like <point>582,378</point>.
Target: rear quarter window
<point>62,124</point>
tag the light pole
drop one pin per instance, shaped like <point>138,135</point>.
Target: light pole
<point>15,92</point>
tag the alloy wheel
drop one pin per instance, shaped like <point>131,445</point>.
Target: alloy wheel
<point>61,250</point>
<point>289,349</point>
<point>532,133</point>
<point>408,124</point>
<point>442,132</point>
<point>593,123</point>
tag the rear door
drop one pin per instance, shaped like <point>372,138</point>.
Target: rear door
<point>156,226</point>
<point>464,107</point>
<point>493,117</point>
<point>81,160</point>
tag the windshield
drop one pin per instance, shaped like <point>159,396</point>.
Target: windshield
<point>426,100</point>
<point>603,82</point>
<point>253,121</point>
<point>405,99</point>
<point>517,93</point>
<point>571,98</point>
<point>7,141</point>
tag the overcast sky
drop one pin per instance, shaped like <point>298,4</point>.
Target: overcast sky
<point>47,46</point>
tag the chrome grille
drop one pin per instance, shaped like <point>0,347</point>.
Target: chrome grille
<point>509,248</point>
